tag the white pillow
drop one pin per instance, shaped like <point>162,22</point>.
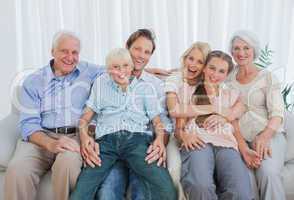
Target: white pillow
<point>289,128</point>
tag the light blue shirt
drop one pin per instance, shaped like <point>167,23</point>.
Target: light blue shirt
<point>158,85</point>
<point>50,101</point>
<point>117,110</point>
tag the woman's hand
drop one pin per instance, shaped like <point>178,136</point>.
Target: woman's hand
<point>90,150</point>
<point>190,141</point>
<point>261,144</point>
<point>213,122</point>
<point>250,157</point>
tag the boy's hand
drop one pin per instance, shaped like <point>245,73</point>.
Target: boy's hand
<point>90,151</point>
<point>156,152</point>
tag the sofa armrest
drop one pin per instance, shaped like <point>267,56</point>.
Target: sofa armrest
<point>9,134</point>
<point>289,128</point>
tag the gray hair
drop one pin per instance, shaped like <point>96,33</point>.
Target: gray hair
<point>249,37</point>
<point>118,53</point>
<point>62,34</point>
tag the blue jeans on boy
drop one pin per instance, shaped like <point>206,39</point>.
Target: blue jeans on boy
<point>131,148</point>
<point>120,179</point>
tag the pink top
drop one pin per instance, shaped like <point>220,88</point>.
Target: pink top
<point>221,136</point>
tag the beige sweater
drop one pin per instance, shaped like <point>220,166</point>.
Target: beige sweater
<point>263,99</point>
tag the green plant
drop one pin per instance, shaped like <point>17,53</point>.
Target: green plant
<point>285,92</point>
<point>265,57</point>
<point>263,61</point>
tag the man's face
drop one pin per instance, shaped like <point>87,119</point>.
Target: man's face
<point>66,55</point>
<point>141,51</point>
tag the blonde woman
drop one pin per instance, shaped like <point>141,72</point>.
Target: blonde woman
<point>179,88</point>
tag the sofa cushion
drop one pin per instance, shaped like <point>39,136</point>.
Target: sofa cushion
<point>289,128</point>
<point>9,135</point>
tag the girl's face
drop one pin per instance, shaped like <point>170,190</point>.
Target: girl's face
<point>242,52</point>
<point>193,64</point>
<point>216,71</point>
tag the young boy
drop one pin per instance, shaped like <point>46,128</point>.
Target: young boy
<point>124,107</point>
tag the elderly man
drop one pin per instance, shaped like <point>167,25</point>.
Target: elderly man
<point>52,100</point>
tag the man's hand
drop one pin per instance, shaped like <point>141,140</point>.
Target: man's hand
<point>63,144</point>
<point>160,71</point>
<point>90,151</point>
<point>250,157</point>
<point>213,122</point>
<point>261,144</point>
<point>156,152</point>
<point>191,141</point>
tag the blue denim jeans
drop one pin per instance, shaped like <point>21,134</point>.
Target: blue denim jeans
<point>119,179</point>
<point>130,148</point>
<point>115,184</point>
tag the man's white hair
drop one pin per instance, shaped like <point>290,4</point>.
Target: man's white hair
<point>62,34</point>
<point>248,37</point>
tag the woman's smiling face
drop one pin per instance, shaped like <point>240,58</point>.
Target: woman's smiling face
<point>242,52</point>
<point>193,64</point>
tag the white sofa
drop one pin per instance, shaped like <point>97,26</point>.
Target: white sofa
<point>9,134</point>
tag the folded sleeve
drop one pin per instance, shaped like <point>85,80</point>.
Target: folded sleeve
<point>94,100</point>
<point>30,113</point>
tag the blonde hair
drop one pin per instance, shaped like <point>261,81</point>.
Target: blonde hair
<point>118,53</point>
<point>201,46</point>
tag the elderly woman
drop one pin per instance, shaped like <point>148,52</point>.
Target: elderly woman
<point>260,126</point>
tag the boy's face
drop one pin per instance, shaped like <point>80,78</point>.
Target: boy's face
<point>120,70</point>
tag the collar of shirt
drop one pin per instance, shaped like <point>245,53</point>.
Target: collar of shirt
<point>71,76</point>
<point>114,85</point>
<point>145,76</point>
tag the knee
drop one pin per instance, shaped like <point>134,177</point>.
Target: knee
<point>67,163</point>
<point>267,173</point>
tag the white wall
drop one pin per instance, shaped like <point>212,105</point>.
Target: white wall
<point>8,53</point>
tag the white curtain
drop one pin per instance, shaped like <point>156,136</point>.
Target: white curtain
<point>105,24</point>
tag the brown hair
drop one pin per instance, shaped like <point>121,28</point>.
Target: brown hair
<point>146,33</point>
<point>200,95</point>
<point>222,55</point>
